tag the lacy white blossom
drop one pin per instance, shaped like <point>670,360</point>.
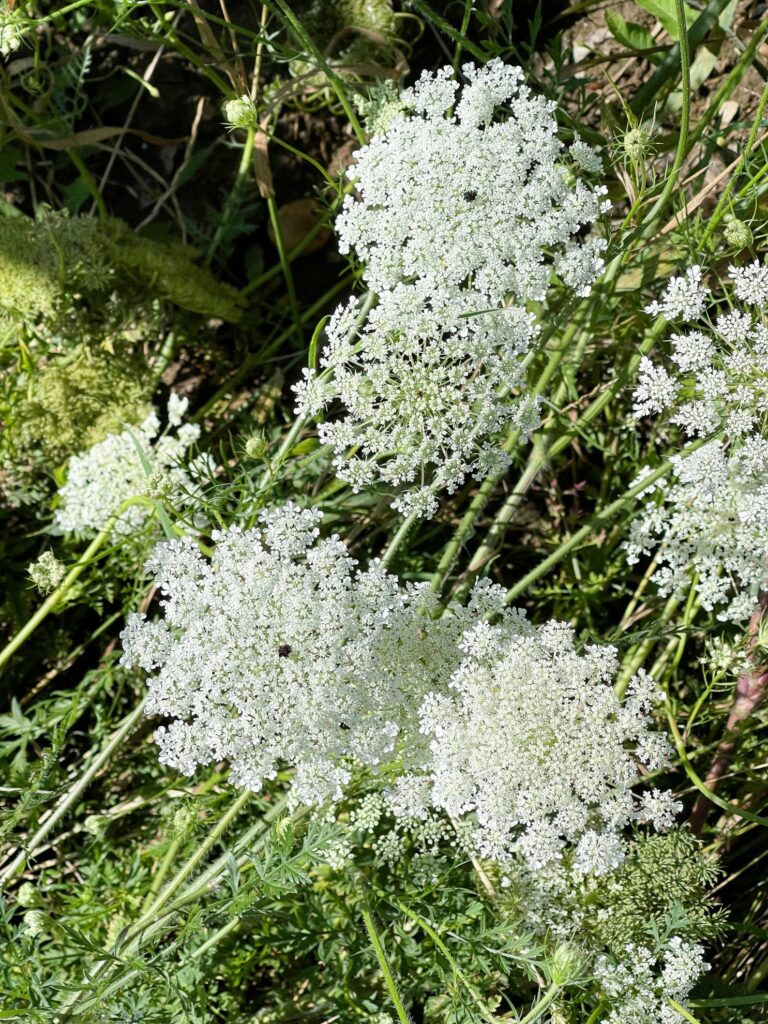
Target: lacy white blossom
<point>279,652</point>
<point>716,377</point>
<point>639,984</point>
<point>460,217</point>
<point>751,283</point>
<point>531,739</point>
<point>425,382</point>
<point>446,197</point>
<point>114,471</point>
<point>712,522</point>
<point>685,298</point>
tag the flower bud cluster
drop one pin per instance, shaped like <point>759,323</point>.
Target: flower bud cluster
<point>460,218</point>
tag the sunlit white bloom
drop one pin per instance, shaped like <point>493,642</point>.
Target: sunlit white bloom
<point>685,298</point>
<point>530,740</point>
<point>717,376</point>
<point>177,407</point>
<point>461,214</point>
<point>279,651</point>
<point>141,461</point>
<point>751,283</point>
<point>711,522</point>
<point>639,984</point>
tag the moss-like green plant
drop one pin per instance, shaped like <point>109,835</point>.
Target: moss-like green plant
<point>75,402</point>
<point>169,271</point>
<point>44,259</point>
<point>54,259</point>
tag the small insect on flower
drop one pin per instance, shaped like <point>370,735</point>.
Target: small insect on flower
<point>284,650</point>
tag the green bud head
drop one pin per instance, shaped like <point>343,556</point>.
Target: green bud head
<point>567,964</point>
<point>738,234</point>
<point>240,113</point>
<point>28,896</point>
<point>256,446</point>
<point>638,143</point>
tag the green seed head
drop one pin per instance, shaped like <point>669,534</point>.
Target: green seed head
<point>568,964</point>
<point>256,446</point>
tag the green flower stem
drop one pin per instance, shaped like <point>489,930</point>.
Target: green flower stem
<point>242,176</point>
<point>156,919</point>
<point>685,113</point>
<point>445,26</point>
<point>635,658</point>
<point>173,848</point>
<point>697,781</point>
<point>290,287</point>
<point>399,538</point>
<point>313,232</point>
<point>468,5</point>
<point>732,80</point>
<point>71,798</point>
<point>336,83</point>
<point>66,584</point>
<point>250,363</point>
<point>598,1011</point>
<point>193,862</point>
<point>724,202</point>
<point>538,1008</point>
<point>488,486</point>
<point>386,971</point>
<point>216,938</point>
<point>648,92</point>
<point>682,1011</point>
<point>537,460</point>
<point>544,452</point>
<point>634,601</point>
<point>598,520</point>
<point>458,973</point>
<point>171,38</point>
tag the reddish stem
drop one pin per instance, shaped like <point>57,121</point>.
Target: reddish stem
<point>750,690</point>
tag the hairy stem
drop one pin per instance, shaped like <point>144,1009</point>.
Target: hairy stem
<point>386,970</point>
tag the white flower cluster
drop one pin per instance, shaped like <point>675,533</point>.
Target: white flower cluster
<point>13,30</point>
<point>279,652</point>
<point>718,378</point>
<point>640,984</point>
<point>460,219</point>
<point>114,471</point>
<point>531,739</point>
<point>712,520</point>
